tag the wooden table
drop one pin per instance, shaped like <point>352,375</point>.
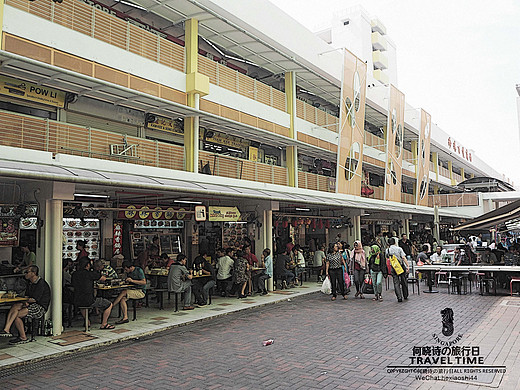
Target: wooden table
<point>13,300</point>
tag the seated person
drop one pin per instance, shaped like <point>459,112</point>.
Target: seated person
<point>460,257</point>
<point>299,260</point>
<point>267,263</point>
<point>134,275</point>
<point>106,270</point>
<point>439,255</point>
<point>488,257</point>
<point>83,282</point>
<point>225,272</point>
<point>422,256</point>
<point>179,280</point>
<point>202,286</point>
<point>250,256</point>
<point>39,293</point>
<point>68,291</point>
<point>282,261</point>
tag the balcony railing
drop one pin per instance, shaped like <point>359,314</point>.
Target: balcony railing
<point>98,24</point>
<point>312,181</point>
<point>314,115</point>
<point>453,200</point>
<point>23,131</point>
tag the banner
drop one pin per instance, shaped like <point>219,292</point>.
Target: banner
<point>228,214</point>
<point>352,125</point>
<point>165,124</point>
<point>423,160</point>
<point>394,145</point>
<point>33,92</point>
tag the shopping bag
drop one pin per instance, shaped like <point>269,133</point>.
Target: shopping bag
<point>396,265</point>
<point>326,287</point>
<point>367,287</point>
<point>346,277</point>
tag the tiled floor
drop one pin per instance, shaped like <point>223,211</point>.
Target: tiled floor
<point>149,320</point>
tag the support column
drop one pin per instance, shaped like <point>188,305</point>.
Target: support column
<point>436,221</point>
<point>197,85</point>
<point>406,227</point>
<point>1,24</point>
<point>268,223</point>
<point>414,145</point>
<point>53,255</point>
<point>435,158</point>
<point>356,220</point>
<point>435,190</point>
<point>450,169</point>
<point>462,174</point>
<point>291,154</point>
<point>291,151</point>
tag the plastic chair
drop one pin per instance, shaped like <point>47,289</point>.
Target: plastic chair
<point>513,280</point>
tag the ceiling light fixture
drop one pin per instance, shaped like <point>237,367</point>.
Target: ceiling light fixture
<point>187,201</point>
<point>302,209</point>
<point>91,196</point>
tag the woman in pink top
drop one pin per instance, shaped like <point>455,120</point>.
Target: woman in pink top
<point>360,267</point>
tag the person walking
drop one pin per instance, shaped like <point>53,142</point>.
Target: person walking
<point>334,272</point>
<point>400,281</point>
<point>378,270</point>
<point>358,256</point>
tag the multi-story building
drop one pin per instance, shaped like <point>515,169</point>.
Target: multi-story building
<point>122,116</point>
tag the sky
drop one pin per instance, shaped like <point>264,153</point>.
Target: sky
<point>457,59</point>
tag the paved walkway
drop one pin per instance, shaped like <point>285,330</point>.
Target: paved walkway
<point>319,344</point>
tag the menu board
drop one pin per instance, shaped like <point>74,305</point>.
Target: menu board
<point>233,233</point>
<point>75,229</point>
<point>9,231</point>
<point>170,243</point>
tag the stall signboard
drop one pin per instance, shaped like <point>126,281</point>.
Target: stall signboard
<point>253,153</point>
<point>9,229</point>
<point>200,213</point>
<point>227,214</point>
<point>165,124</point>
<point>33,92</point>
<point>140,212</point>
<point>118,239</point>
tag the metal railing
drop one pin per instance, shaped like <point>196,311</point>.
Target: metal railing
<point>453,200</point>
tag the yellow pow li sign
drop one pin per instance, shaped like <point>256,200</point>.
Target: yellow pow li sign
<point>217,213</point>
<point>33,92</point>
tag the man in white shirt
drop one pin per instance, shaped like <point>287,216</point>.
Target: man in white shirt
<point>224,272</point>
<point>439,255</point>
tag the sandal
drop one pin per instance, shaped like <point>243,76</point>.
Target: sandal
<point>361,296</point>
<point>108,326</point>
<point>357,294</point>
<point>333,298</point>
<point>380,298</point>
<point>122,322</point>
<point>345,297</point>
<point>375,299</point>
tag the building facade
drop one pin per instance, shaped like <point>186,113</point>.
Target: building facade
<point>119,119</point>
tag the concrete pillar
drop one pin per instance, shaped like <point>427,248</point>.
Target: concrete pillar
<point>268,224</point>
<point>356,220</point>
<point>291,151</point>
<point>197,85</point>
<point>53,255</point>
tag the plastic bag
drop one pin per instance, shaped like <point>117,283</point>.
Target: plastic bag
<point>326,287</point>
<point>346,277</point>
<point>367,287</point>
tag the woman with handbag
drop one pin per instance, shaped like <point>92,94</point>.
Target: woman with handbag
<point>378,270</point>
<point>334,272</point>
<point>360,267</point>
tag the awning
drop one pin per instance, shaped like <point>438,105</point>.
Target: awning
<point>508,216</point>
<point>83,170</point>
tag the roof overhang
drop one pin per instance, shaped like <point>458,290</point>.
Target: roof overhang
<point>44,74</point>
<point>244,43</point>
<point>82,170</point>
<point>508,215</point>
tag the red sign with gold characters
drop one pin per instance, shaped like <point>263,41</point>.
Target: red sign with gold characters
<point>137,212</point>
<point>118,238</point>
<point>460,150</point>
